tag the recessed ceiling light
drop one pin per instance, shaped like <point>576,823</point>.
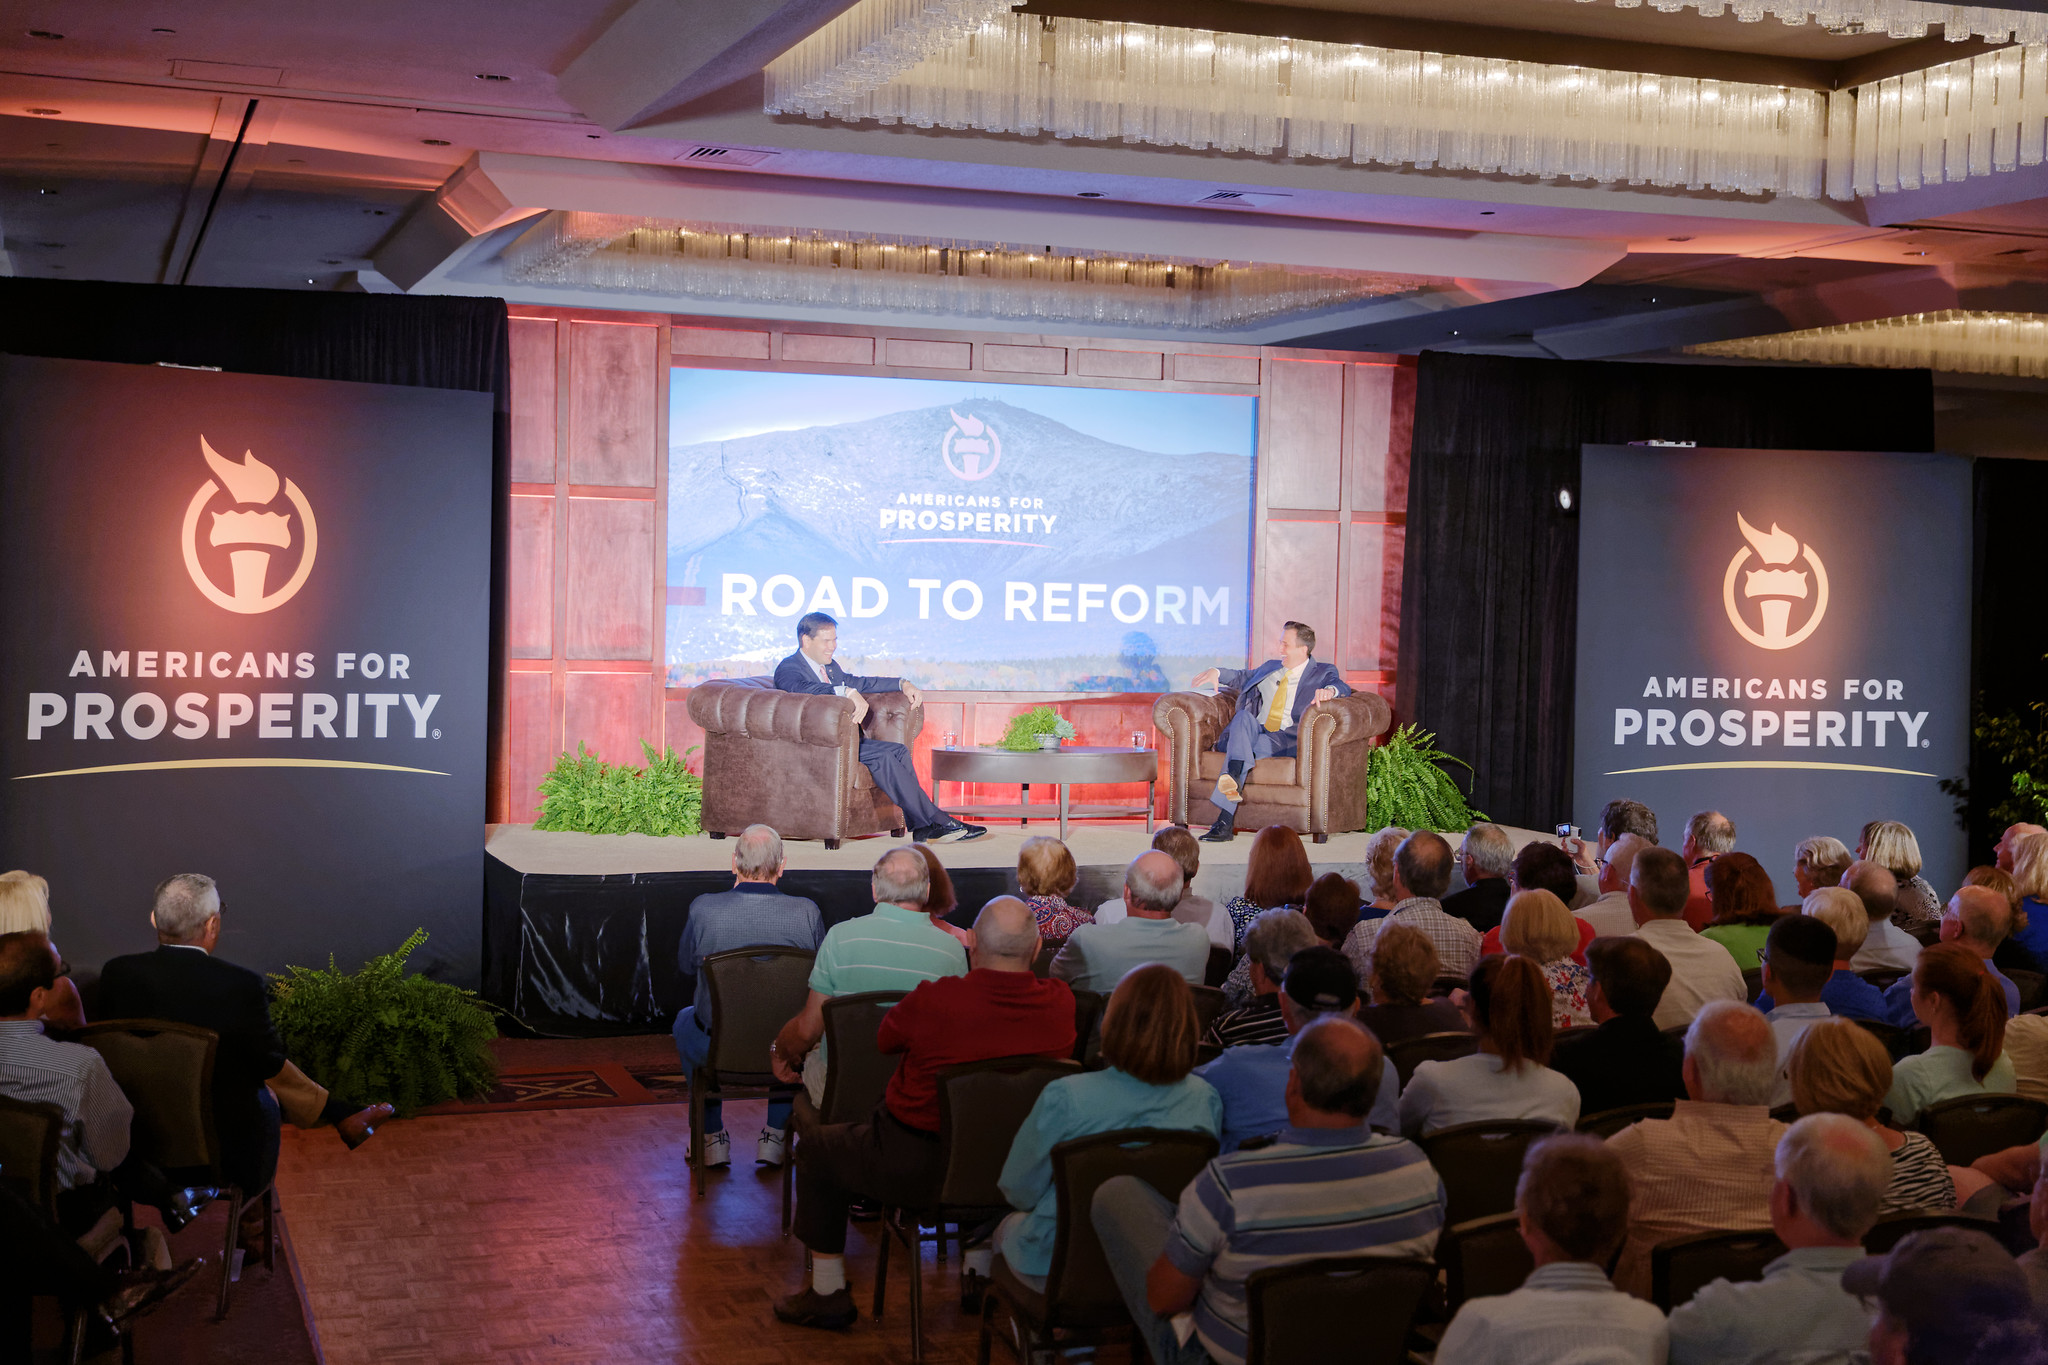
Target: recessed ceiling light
<point>163,30</point>
<point>1486,213</point>
<point>309,279</point>
<point>489,76</point>
<point>327,262</point>
<point>1915,253</point>
<point>434,141</point>
<point>49,191</point>
<point>593,136</point>
<point>44,33</point>
<point>41,113</point>
<point>295,161</point>
<point>1089,194</point>
<point>1678,239</point>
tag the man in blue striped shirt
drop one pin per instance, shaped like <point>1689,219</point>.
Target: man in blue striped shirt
<point>1326,1186</point>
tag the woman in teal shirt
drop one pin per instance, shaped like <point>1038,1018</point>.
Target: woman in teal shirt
<point>1148,1039</point>
<point>1964,1010</point>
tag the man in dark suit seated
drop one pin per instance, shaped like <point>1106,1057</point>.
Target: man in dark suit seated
<point>1625,1060</point>
<point>1484,857</point>
<point>183,982</point>
<point>811,670</point>
<point>1271,700</point>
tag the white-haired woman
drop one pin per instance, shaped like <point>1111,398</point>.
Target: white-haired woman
<point>1892,846</point>
<point>25,907</point>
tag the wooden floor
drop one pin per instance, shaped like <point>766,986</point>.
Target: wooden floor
<point>569,1236</point>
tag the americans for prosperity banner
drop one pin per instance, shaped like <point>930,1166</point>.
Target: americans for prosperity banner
<point>1780,635</point>
<point>245,634</point>
<point>966,535</point>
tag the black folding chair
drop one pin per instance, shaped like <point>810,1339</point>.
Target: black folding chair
<point>1608,1122</point>
<point>1899,1043</point>
<point>1209,1003</point>
<point>1335,1310</point>
<point>1088,1008</point>
<point>1886,1233</point>
<point>1482,1257</point>
<point>1683,1266</point>
<point>1978,1125</point>
<point>29,1135</point>
<point>754,992</point>
<point>1221,961</point>
<point>1480,1164</point>
<point>855,1080</point>
<point>1430,1047</point>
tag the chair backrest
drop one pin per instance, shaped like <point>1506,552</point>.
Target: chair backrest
<point>166,1071</point>
<point>1484,1256</point>
<point>28,1150</point>
<point>981,1107</point>
<point>1221,960</point>
<point>859,1074</point>
<point>1209,1003</point>
<point>2032,986</point>
<point>1753,981</point>
<point>1680,1268</point>
<point>1430,1047</point>
<point>1079,1288</point>
<point>1899,1043</point>
<point>1887,1232</point>
<point>1978,1125</point>
<point>754,992</point>
<point>1088,1007</point>
<point>1480,1164</point>
<point>1608,1122</point>
<point>1335,1310</point>
<point>1447,983</point>
<point>1048,949</point>
<point>1883,977</point>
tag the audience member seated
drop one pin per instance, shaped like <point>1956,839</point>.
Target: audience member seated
<point>1047,876</point>
<point>1948,1296</point>
<point>1627,1059</point>
<point>1831,1174</point>
<point>2007,850</point>
<point>1542,867</point>
<point>1096,956</point>
<point>1798,959</point>
<point>1404,967</point>
<point>1326,1186</point>
<point>1379,870</point>
<point>1484,856</point>
<point>1149,1036</point>
<point>996,1009</point>
<point>1509,1010</point>
<point>1252,1079</point>
<point>24,907</point>
<point>1886,945</point>
<point>1422,869</point>
<point>1608,913</point>
<point>1186,850</point>
<point>753,914</point>
<point>2035,1263</point>
<point>1617,818</point>
<point>183,982</point>
<point>1701,969</point>
<point>2010,955</point>
<point>894,947</point>
<point>1953,995</point>
<point>1708,835</point>
<point>1572,1207</point>
<point>1709,1167</point>
<point>1839,1067</point>
<point>1253,992</point>
<point>1892,846</point>
<point>40,1070</point>
<point>1332,909</point>
<point>1745,905</point>
<point>1818,861</point>
<point>1977,920</point>
<point>2028,853</point>
<point>1276,876</point>
<point>940,900</point>
<point>1538,927</point>
<point>2026,1046</point>
<point>1846,993</point>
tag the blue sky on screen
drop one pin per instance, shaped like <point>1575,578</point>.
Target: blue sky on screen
<point>722,405</point>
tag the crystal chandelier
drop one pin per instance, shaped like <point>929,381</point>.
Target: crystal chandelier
<point>1972,117</point>
<point>727,263</point>
<point>1971,343</point>
<point>1893,18</point>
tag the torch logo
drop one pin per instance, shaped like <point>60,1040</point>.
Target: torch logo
<point>1774,588</point>
<point>975,443</point>
<point>254,533</point>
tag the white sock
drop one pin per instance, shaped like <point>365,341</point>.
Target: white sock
<point>828,1273</point>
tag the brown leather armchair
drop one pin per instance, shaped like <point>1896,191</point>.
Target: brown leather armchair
<point>792,760</point>
<point>1320,791</point>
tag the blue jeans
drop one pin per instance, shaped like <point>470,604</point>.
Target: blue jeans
<point>693,1045</point>
<point>1134,1220</point>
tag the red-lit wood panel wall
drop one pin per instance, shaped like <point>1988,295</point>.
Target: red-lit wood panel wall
<point>588,577</point>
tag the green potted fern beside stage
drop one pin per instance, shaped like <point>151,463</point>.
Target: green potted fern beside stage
<point>587,795</point>
<point>1406,785</point>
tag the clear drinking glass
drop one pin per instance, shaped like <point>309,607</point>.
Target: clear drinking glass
<point>1138,740</point>
<point>948,740</point>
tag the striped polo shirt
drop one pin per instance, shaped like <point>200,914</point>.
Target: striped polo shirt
<point>893,949</point>
<point>1314,1192</point>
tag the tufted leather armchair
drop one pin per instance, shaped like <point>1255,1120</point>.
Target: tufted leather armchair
<point>1319,792</point>
<point>792,760</point>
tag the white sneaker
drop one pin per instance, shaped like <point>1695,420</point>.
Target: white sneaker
<point>769,1151</point>
<point>717,1150</point>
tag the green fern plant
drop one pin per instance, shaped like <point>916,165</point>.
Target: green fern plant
<point>383,1035</point>
<point>590,796</point>
<point>1027,726</point>
<point>1406,785</point>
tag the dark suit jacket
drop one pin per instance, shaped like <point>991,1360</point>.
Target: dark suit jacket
<point>795,674</point>
<point>1316,676</point>
<point>1481,904</point>
<point>187,986</point>
<point>1624,1061</point>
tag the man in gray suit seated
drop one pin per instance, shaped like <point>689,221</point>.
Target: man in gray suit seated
<point>1271,700</point>
<point>1096,956</point>
<point>753,914</point>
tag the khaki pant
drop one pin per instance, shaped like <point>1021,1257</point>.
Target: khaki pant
<point>299,1097</point>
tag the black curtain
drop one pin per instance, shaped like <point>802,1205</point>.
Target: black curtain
<point>1489,596</point>
<point>428,342</point>
<point>2010,625</point>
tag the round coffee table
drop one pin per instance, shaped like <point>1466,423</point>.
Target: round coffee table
<point>1067,766</point>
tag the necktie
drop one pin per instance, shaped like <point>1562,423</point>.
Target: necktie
<point>1276,715</point>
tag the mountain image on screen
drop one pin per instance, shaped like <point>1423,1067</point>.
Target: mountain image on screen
<point>808,503</point>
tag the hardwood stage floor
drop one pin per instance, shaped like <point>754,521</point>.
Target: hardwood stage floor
<point>568,1236</point>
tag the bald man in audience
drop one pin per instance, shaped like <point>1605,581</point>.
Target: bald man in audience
<point>1096,956</point>
<point>1709,1167</point>
<point>1886,945</point>
<point>1610,913</point>
<point>1831,1177</point>
<point>1701,969</point>
<point>1977,918</point>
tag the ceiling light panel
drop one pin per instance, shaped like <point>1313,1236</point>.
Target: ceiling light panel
<point>1893,18</point>
<point>1956,341</point>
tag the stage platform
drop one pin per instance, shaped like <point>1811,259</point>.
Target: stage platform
<point>581,930</point>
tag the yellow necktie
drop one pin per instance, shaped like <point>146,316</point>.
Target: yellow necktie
<point>1276,716</point>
